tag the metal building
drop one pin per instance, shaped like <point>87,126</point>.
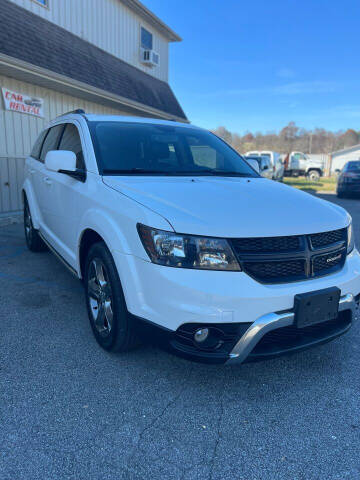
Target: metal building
<point>105,56</point>
<point>339,158</point>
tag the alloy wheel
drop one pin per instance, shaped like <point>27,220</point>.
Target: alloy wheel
<point>100,297</point>
<point>27,223</point>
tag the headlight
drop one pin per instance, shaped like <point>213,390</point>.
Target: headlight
<point>350,239</point>
<point>187,251</point>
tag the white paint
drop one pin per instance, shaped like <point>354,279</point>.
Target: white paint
<point>108,24</point>
<point>63,208</point>
<point>20,103</point>
<point>232,207</point>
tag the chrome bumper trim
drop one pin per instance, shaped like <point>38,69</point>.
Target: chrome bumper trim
<point>269,322</point>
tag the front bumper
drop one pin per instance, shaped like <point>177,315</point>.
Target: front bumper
<point>349,188</point>
<point>173,299</point>
<point>272,321</point>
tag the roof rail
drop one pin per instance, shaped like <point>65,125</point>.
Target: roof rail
<point>80,111</point>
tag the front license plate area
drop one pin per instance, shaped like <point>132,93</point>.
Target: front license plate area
<point>316,307</point>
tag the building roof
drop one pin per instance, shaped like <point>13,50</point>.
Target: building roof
<point>152,19</point>
<point>354,148</point>
<point>31,39</point>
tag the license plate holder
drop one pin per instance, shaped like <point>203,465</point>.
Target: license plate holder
<point>316,307</point>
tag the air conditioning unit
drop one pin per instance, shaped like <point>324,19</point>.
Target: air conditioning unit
<point>149,57</point>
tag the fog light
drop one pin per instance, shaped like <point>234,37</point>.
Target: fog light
<point>201,335</point>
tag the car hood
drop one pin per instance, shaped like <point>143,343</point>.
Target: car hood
<point>231,207</point>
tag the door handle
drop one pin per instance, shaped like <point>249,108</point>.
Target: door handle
<point>31,171</point>
<point>47,181</point>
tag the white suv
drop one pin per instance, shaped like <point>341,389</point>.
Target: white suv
<point>177,239</point>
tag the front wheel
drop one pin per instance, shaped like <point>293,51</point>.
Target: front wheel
<point>105,302</point>
<point>313,176</point>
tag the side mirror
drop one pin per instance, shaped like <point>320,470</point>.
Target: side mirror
<point>265,167</point>
<point>254,164</point>
<point>64,161</point>
<point>57,160</point>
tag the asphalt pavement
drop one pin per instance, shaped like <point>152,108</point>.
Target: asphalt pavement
<point>69,410</point>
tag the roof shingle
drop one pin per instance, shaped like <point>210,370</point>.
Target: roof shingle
<point>28,37</point>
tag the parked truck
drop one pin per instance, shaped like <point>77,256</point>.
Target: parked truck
<point>276,164</point>
<point>299,164</point>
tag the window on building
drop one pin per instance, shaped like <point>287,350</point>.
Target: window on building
<point>146,39</point>
<point>51,141</point>
<point>44,3</point>
<point>35,152</point>
<point>71,141</point>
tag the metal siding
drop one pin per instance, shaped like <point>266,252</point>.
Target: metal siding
<point>18,132</point>
<point>338,161</point>
<point>111,26</point>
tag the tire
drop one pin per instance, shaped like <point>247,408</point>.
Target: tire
<point>313,176</point>
<point>32,237</point>
<point>109,318</point>
<point>340,195</point>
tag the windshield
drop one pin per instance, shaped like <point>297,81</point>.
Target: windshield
<point>150,149</point>
<point>353,166</point>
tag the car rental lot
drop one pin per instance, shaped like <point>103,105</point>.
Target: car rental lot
<point>69,410</point>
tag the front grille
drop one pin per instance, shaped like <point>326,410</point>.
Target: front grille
<point>329,260</point>
<point>267,244</point>
<point>275,270</point>
<point>319,240</point>
<point>292,258</point>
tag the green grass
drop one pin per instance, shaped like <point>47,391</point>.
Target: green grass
<point>324,184</point>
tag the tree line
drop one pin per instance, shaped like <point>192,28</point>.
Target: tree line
<point>291,138</point>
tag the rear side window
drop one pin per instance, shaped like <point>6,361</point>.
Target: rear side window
<point>71,141</point>
<point>35,152</point>
<point>51,141</point>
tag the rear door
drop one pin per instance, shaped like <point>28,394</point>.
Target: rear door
<point>43,181</point>
<point>33,169</point>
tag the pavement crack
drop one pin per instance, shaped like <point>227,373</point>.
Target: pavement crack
<point>151,424</point>
<point>218,435</point>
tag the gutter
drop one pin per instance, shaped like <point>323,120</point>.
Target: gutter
<point>48,79</point>
<point>152,19</point>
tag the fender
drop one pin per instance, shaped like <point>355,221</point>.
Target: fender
<point>28,190</point>
<point>118,239</point>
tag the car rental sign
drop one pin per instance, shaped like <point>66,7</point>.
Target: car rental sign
<point>17,102</point>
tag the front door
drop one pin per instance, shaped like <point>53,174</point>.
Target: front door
<point>68,199</point>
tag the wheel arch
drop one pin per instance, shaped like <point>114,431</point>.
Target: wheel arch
<point>88,238</point>
<point>27,193</point>
<point>98,226</point>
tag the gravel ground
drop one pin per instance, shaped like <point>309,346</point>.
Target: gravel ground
<point>69,410</point>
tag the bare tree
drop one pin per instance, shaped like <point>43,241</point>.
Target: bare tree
<point>291,138</point>
<point>223,133</point>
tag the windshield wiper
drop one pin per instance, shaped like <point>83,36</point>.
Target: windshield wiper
<point>223,173</point>
<point>194,173</point>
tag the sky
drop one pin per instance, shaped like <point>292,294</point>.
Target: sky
<point>255,65</point>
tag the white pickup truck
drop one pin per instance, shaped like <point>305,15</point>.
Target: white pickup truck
<point>299,164</point>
